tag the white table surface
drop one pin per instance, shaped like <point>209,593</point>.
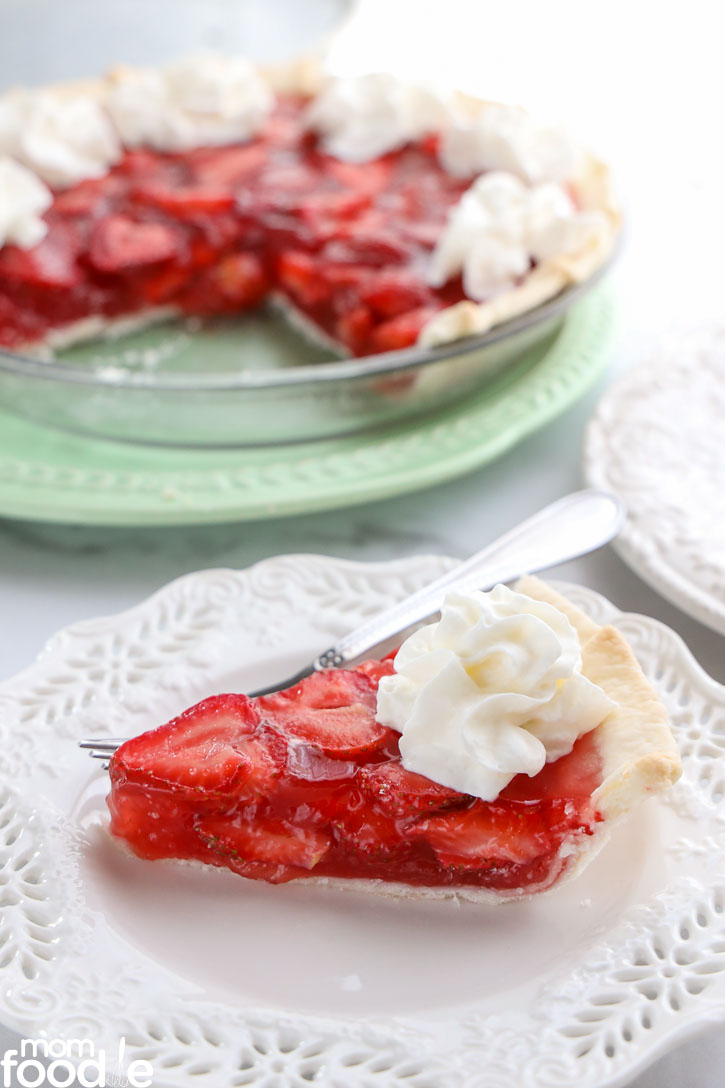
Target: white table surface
<point>642,83</point>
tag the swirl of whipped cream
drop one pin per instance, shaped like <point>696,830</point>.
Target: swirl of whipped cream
<point>492,690</point>
<point>507,138</point>
<point>61,137</point>
<point>362,117</point>
<point>500,225</point>
<point>23,199</point>
<point>198,101</point>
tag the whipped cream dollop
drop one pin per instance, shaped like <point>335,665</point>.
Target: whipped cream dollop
<point>198,101</point>
<point>492,690</point>
<point>23,199</point>
<point>63,138</point>
<point>361,117</point>
<point>507,138</point>
<point>500,225</point>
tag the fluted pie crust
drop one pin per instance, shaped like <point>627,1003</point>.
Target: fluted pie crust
<point>591,188</point>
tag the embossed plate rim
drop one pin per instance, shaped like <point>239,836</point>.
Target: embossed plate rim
<point>642,544</point>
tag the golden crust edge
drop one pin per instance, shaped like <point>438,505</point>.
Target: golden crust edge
<point>639,753</point>
<point>544,282</point>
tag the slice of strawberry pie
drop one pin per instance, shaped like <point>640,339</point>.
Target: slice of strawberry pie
<point>489,759</point>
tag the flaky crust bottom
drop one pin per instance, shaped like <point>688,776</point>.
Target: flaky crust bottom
<point>95,327</point>
<point>638,751</point>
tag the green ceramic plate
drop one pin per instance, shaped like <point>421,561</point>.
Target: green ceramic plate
<point>47,475</point>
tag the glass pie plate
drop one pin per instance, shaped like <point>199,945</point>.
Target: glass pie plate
<point>254,380</point>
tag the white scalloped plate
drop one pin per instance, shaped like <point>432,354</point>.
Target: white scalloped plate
<point>221,983</point>
<point>656,440</point>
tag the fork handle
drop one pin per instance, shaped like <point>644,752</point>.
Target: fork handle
<point>570,527</point>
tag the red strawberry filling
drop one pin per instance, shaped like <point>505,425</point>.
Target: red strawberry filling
<point>216,230</point>
<point>307,781</point>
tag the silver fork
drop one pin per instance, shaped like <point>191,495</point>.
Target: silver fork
<point>573,526</point>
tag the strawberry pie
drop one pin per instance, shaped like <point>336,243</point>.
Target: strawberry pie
<point>377,214</point>
<point>488,759</point>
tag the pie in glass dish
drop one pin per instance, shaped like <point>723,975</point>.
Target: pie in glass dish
<point>377,214</point>
<point>488,758</point>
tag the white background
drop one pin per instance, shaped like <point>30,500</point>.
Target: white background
<point>642,83</point>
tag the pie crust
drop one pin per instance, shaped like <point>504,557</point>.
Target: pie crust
<point>591,187</point>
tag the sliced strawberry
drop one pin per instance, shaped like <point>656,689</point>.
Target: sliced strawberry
<point>341,733</point>
<point>424,234</point>
<point>238,282</point>
<point>326,208</point>
<point>90,197</point>
<point>120,244</point>
<point>228,166</point>
<point>52,263</point>
<point>371,833</point>
<point>485,835</point>
<point>273,843</point>
<point>143,163</point>
<point>252,870</point>
<point>212,750</point>
<point>401,332</point>
<point>185,201</point>
<point>331,688</point>
<point>575,775</point>
<point>360,245</point>
<point>361,177</point>
<point>287,179</point>
<point>376,670</point>
<point>332,710</point>
<point>343,276</point>
<point>154,823</point>
<point>165,284</point>
<point>18,326</point>
<point>401,793</point>
<point>301,275</point>
<point>396,292</point>
<point>213,235</point>
<point>353,329</point>
<point>242,278</point>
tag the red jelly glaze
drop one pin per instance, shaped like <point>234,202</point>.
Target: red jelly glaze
<point>251,786</point>
<point>215,230</point>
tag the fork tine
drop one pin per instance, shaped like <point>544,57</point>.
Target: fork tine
<point>110,744</point>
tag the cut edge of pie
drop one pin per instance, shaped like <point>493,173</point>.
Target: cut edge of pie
<point>592,186</point>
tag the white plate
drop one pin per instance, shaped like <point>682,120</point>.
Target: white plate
<point>221,983</point>
<point>657,441</point>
